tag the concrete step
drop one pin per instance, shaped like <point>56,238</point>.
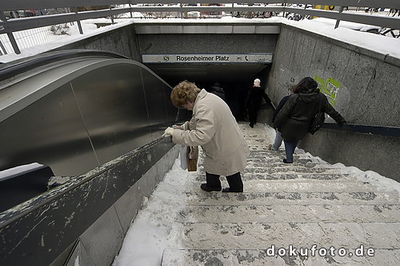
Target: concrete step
<point>283,176</point>
<point>294,185</point>
<point>291,169</point>
<point>262,169</point>
<point>298,152</point>
<point>261,235</point>
<point>267,154</point>
<point>314,185</point>
<point>258,257</point>
<point>278,161</point>
<point>272,155</point>
<point>388,213</point>
<point>290,198</point>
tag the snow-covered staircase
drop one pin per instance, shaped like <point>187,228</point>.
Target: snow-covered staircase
<point>309,205</point>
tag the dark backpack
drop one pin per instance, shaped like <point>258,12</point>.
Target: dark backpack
<point>318,120</point>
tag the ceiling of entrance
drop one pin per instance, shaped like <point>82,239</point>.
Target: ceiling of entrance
<point>208,73</point>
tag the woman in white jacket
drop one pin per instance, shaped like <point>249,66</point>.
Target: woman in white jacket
<point>214,128</point>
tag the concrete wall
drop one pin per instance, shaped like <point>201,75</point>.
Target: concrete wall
<point>101,242</point>
<point>124,40</point>
<point>121,40</point>
<point>86,216</point>
<point>366,94</point>
<point>367,152</point>
<point>206,43</point>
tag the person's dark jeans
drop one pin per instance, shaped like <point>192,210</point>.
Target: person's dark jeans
<point>290,146</point>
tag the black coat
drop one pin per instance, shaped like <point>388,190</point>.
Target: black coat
<point>255,96</point>
<point>279,107</point>
<point>294,119</point>
<point>218,90</point>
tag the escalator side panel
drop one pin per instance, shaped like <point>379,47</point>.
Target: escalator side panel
<point>50,132</point>
<point>113,109</point>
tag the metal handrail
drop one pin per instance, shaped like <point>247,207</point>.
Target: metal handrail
<point>23,4</point>
<point>17,67</point>
<point>13,25</point>
<point>371,130</point>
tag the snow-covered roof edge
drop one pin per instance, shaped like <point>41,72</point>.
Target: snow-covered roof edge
<point>368,51</point>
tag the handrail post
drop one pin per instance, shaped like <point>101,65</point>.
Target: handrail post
<point>79,24</point>
<point>130,11</point>
<point>10,35</point>
<point>111,16</point>
<point>338,20</point>
<point>2,49</point>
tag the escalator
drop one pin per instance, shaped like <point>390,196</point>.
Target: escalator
<point>76,110</point>
<point>93,119</point>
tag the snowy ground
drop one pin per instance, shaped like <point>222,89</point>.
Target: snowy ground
<point>374,42</point>
<point>154,229</point>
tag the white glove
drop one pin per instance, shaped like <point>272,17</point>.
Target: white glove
<point>168,132</point>
<point>177,127</point>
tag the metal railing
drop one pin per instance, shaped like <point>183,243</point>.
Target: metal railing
<point>11,26</point>
<point>370,130</point>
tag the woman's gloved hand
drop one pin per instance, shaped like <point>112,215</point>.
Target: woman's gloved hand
<point>168,132</point>
<point>177,127</point>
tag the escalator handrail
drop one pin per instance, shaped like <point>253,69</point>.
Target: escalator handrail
<point>14,68</point>
<point>371,130</point>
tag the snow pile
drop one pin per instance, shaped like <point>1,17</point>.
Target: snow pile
<point>346,24</point>
<point>39,40</point>
<point>382,183</point>
<point>379,181</point>
<point>18,170</point>
<point>270,133</point>
<point>374,42</point>
<point>154,228</point>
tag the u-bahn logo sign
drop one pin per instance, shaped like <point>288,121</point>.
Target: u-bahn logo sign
<point>207,58</point>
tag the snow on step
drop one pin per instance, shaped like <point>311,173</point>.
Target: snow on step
<point>298,185</point>
<point>297,198</point>
<point>259,235</point>
<point>290,213</point>
<point>285,176</point>
<point>307,186</point>
<point>257,257</point>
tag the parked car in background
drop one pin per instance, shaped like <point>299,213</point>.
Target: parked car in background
<point>211,13</point>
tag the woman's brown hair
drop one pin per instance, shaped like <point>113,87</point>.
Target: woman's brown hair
<point>306,85</point>
<point>183,93</point>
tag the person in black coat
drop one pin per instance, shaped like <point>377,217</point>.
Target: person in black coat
<point>253,103</point>
<point>295,117</point>
<point>278,136</point>
<point>218,90</point>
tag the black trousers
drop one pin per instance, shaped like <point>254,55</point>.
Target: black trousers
<point>253,113</point>
<point>234,181</point>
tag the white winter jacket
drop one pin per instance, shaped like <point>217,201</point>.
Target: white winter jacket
<point>214,128</point>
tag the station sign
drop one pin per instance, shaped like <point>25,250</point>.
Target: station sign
<point>207,58</point>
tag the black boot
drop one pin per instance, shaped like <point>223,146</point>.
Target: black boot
<point>213,183</point>
<point>205,187</point>
<point>235,183</point>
